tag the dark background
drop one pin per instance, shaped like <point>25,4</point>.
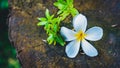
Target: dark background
<point>7,51</point>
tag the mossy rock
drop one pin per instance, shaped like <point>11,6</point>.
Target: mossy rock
<point>33,52</point>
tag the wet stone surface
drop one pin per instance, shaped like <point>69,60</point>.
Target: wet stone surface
<point>27,37</point>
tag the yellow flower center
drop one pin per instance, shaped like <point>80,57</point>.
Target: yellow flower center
<point>80,35</point>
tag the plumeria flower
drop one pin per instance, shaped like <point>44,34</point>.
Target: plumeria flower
<point>79,37</point>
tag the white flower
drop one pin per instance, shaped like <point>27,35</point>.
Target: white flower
<point>80,36</point>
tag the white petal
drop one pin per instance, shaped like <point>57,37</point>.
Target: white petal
<point>67,34</point>
<point>94,33</point>
<point>80,22</point>
<point>89,49</point>
<point>72,49</point>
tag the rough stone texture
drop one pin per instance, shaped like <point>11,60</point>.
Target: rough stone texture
<point>32,52</point>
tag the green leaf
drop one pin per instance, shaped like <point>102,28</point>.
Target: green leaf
<point>59,5</point>
<point>50,18</point>
<point>69,1</point>
<point>42,19</point>
<point>74,12</point>
<point>59,19</point>
<point>47,14</point>
<point>54,42</point>
<point>48,28</point>
<point>55,28</point>
<point>59,12</point>
<point>55,20</point>
<point>62,1</point>
<point>64,15</point>
<point>50,39</point>
<point>42,23</point>
<point>60,40</point>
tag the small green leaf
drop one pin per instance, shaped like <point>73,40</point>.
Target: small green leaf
<point>59,12</point>
<point>42,19</point>
<point>51,17</point>
<point>62,1</point>
<point>59,5</point>
<point>55,28</point>
<point>54,42</point>
<point>62,5</point>
<point>60,40</point>
<point>55,20</point>
<point>47,14</point>
<point>50,39</point>
<point>48,26</point>
<point>69,1</point>
<point>74,12</point>
<point>64,15</point>
<point>42,23</point>
<point>59,19</point>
